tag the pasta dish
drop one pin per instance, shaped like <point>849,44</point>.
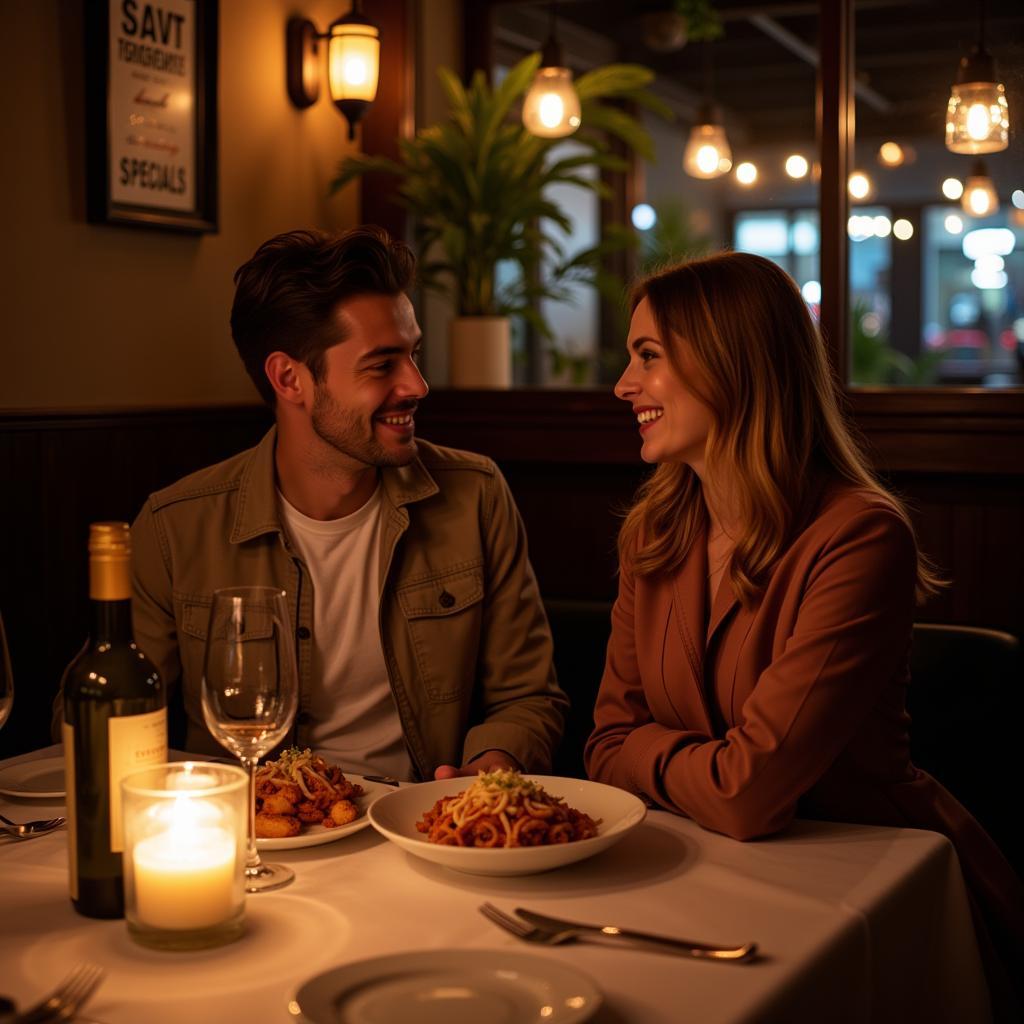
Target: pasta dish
<point>502,809</point>
<point>301,788</point>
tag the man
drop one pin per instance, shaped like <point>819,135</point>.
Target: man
<point>422,645</point>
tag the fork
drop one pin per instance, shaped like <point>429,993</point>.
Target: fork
<point>29,829</point>
<point>552,936</point>
<point>66,999</point>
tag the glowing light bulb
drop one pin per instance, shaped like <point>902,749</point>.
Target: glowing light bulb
<point>746,173</point>
<point>903,229</point>
<point>953,224</point>
<point>952,188</point>
<point>797,166</point>
<point>859,185</point>
<point>551,110</point>
<point>355,71</point>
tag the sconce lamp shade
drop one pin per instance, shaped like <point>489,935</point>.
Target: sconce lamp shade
<point>979,197</point>
<point>707,153</point>
<point>353,60</point>
<point>551,108</point>
<point>977,117</point>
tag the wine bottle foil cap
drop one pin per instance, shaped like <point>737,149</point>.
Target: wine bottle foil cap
<point>111,540</point>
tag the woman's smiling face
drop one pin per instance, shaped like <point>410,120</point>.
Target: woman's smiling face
<point>673,421</point>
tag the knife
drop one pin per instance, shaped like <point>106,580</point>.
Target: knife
<point>699,949</point>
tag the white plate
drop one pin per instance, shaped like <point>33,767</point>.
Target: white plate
<point>314,835</point>
<point>396,814</point>
<point>42,779</point>
<point>455,986</point>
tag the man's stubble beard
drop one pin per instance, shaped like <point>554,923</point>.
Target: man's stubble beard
<point>346,432</point>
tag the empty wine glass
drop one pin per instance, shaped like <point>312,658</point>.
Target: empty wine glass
<point>6,679</point>
<point>250,690</point>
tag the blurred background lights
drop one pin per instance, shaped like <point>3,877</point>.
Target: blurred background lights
<point>871,324</point>
<point>890,154</point>
<point>994,279</point>
<point>952,188</point>
<point>990,262</point>
<point>796,166</point>
<point>1017,198</point>
<point>859,185</point>
<point>811,292</point>
<point>644,218</point>
<point>985,240</point>
<point>805,238</point>
<point>903,229</point>
<point>746,173</point>
<point>882,226</point>
<point>954,224</point>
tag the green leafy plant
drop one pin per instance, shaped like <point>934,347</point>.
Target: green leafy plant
<point>475,185</point>
<point>874,362</point>
<point>672,239</point>
<point>702,20</point>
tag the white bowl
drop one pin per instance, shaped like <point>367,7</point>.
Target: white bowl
<point>395,815</point>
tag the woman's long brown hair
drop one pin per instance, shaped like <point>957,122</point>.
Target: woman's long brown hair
<point>778,433</point>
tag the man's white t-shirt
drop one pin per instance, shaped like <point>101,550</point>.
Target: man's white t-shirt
<point>355,721</point>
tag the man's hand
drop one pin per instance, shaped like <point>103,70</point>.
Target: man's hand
<point>486,762</point>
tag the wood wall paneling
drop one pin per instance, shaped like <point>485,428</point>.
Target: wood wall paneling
<point>571,459</point>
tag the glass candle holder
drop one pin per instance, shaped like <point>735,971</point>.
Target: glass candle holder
<point>184,854</point>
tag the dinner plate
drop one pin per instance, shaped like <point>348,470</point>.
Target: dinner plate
<point>42,779</point>
<point>314,835</point>
<point>451,986</point>
<point>618,812</point>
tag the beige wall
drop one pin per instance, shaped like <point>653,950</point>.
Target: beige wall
<point>103,317</point>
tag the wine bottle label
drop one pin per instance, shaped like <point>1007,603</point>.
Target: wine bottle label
<point>136,741</point>
<point>67,733</point>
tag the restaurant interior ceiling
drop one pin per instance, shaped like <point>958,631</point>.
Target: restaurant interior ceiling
<point>762,68</point>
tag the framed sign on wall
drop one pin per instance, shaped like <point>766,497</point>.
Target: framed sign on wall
<point>151,113</point>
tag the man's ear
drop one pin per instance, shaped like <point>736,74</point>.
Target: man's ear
<point>287,378</point>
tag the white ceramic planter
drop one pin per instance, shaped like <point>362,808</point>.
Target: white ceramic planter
<point>480,353</point>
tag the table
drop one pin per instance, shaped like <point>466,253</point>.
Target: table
<point>856,923</point>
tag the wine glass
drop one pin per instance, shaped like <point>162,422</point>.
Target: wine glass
<point>6,678</point>
<point>250,690</point>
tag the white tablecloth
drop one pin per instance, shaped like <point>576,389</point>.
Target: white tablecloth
<point>855,923</point>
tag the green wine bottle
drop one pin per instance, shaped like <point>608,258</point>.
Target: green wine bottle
<point>115,722</point>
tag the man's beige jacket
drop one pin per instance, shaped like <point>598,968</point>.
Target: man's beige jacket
<point>463,630</point>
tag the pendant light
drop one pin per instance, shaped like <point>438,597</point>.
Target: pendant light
<point>707,153</point>
<point>979,198</point>
<point>551,108</point>
<point>977,117</point>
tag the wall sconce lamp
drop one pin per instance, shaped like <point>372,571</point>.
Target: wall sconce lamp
<point>353,63</point>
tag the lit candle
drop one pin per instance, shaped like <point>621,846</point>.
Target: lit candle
<point>184,854</point>
<point>185,875</point>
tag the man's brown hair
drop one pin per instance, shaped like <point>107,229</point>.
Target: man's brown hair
<point>287,293</point>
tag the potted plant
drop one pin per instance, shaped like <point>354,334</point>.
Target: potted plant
<point>475,186</point>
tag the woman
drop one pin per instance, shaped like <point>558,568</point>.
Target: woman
<point>758,659</point>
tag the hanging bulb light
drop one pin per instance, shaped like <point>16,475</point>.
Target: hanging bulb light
<point>353,63</point>
<point>979,198</point>
<point>551,108</point>
<point>707,153</point>
<point>977,117</point>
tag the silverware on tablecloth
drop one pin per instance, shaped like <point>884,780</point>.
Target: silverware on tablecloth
<point>64,1002</point>
<point>387,780</point>
<point>549,931</point>
<point>29,829</point>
